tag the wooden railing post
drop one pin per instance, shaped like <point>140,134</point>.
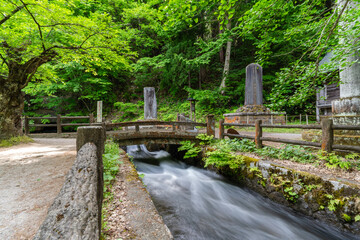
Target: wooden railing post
<point>221,129</point>
<point>137,129</point>
<point>210,125</point>
<point>58,123</point>
<point>27,129</point>
<point>258,134</point>
<point>91,118</point>
<point>327,134</point>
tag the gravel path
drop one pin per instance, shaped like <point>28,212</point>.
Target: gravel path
<point>31,176</point>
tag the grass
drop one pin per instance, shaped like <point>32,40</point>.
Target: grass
<point>15,140</point>
<point>111,168</point>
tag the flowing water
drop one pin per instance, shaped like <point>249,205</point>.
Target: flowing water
<point>199,204</point>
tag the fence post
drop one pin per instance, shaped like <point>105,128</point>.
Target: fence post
<point>272,119</point>
<point>285,119</point>
<point>91,118</point>
<point>27,129</point>
<point>221,129</point>
<point>99,111</point>
<point>307,119</point>
<point>327,134</point>
<point>58,124</point>
<point>258,134</point>
<point>300,119</point>
<point>210,125</point>
<point>137,129</point>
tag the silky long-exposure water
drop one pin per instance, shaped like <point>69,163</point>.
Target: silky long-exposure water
<point>199,204</point>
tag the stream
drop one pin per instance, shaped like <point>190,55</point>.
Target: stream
<point>198,204</point>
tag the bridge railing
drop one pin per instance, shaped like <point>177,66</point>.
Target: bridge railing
<point>59,124</point>
<point>174,126</point>
<point>327,127</point>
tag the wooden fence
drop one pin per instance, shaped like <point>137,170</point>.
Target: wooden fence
<point>326,126</point>
<point>59,124</point>
<point>210,125</point>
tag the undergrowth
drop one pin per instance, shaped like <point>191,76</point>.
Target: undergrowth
<point>222,152</point>
<point>15,140</point>
<point>111,168</point>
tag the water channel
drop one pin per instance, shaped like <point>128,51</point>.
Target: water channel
<point>199,204</point>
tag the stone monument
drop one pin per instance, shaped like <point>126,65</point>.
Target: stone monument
<point>253,85</point>
<point>150,104</point>
<point>253,108</point>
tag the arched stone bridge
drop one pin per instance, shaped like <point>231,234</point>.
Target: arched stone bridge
<point>157,132</point>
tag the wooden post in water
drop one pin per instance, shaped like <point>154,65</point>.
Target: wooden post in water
<point>58,124</point>
<point>210,125</point>
<point>258,134</point>
<point>327,134</point>
<point>221,129</point>
<point>27,129</point>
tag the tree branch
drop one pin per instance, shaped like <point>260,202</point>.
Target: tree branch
<point>39,27</point>
<point>329,35</point>
<point>4,60</point>
<point>64,24</point>
<point>7,17</point>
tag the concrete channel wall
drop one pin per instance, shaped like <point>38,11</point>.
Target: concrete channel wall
<point>76,211</point>
<point>334,202</point>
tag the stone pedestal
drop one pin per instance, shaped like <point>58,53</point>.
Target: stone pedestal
<point>251,117</point>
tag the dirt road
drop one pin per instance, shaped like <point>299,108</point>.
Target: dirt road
<point>31,176</point>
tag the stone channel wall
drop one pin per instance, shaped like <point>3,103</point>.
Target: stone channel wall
<point>334,202</point>
<point>76,211</point>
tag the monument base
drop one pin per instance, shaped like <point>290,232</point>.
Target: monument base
<point>346,107</point>
<point>251,117</point>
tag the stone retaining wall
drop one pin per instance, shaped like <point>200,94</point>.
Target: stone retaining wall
<point>76,211</point>
<point>334,202</point>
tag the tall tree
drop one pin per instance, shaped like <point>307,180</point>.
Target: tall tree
<point>36,32</point>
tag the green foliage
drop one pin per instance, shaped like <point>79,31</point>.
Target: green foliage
<point>286,152</point>
<point>290,194</point>
<point>221,154</point>
<point>357,218</point>
<point>129,111</point>
<point>333,161</point>
<point>111,168</point>
<point>208,101</point>
<point>190,148</point>
<point>111,164</point>
<point>15,140</point>
<point>205,139</point>
<point>346,217</point>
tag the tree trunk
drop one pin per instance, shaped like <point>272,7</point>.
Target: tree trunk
<point>11,108</point>
<point>11,97</point>
<point>227,62</point>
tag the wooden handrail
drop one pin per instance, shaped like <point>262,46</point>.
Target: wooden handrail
<point>58,123</point>
<point>149,123</point>
<point>326,126</point>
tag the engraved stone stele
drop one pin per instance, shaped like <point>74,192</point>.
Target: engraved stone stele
<point>150,105</point>
<point>254,109</point>
<point>253,85</point>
